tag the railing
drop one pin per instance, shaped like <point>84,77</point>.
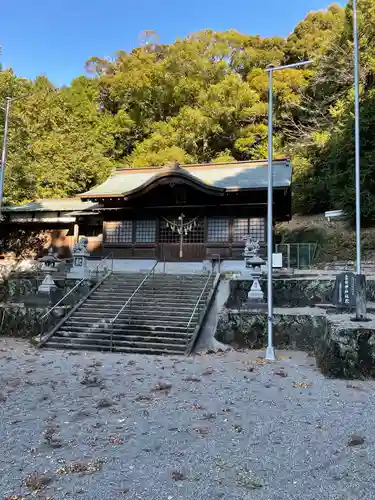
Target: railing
<point>130,299</point>
<point>76,286</point>
<point>198,305</point>
<point>297,255</point>
<point>218,260</point>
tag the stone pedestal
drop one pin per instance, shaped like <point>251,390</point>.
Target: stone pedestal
<point>255,293</point>
<point>47,285</point>
<point>80,267</point>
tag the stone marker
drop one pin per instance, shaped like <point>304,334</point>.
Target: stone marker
<point>344,292</point>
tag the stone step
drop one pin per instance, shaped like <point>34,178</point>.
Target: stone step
<point>155,336</point>
<point>81,319</point>
<point>149,292</point>
<point>127,327</point>
<point>103,294</point>
<point>153,339</point>
<point>159,281</point>
<point>121,346</point>
<point>147,323</point>
<point>151,309</point>
<point>150,288</point>
<point>141,303</point>
<point>167,277</point>
<point>124,319</point>
<point>155,322</point>
<point>141,311</point>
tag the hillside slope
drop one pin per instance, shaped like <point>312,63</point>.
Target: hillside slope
<point>336,240</point>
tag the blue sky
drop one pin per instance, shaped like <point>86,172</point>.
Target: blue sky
<point>56,37</point>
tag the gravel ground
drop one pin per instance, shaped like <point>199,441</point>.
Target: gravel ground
<point>219,426</point>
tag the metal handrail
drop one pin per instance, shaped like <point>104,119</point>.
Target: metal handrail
<point>134,293</point>
<point>219,259</point>
<point>76,286</point>
<point>129,301</point>
<point>198,301</point>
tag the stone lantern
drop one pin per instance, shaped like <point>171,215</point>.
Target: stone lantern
<point>50,263</point>
<point>253,266</point>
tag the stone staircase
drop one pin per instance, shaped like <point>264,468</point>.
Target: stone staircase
<point>154,322</point>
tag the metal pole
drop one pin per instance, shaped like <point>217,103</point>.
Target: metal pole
<point>357,149</point>
<point>4,151</point>
<point>270,353</point>
<point>360,280</point>
<point>181,235</point>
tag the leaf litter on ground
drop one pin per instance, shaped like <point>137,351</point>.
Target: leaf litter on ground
<point>81,467</point>
<point>302,385</point>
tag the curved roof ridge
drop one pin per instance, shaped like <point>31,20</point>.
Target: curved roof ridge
<point>254,163</point>
<point>175,170</point>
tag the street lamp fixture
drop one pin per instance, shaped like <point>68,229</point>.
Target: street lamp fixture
<point>270,352</point>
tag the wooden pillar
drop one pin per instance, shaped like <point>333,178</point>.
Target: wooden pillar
<point>76,232</point>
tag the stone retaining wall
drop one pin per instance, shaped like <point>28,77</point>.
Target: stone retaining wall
<point>343,348</point>
<point>293,292</point>
<point>247,329</point>
<point>19,321</point>
<point>22,307</point>
<point>347,350</point>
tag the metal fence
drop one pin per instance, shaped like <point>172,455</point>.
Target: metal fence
<point>297,255</point>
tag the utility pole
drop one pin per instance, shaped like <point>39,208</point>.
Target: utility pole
<point>360,302</point>
<point>8,101</point>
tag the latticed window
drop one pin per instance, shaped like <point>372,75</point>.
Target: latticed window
<point>256,229</point>
<point>217,230</point>
<point>145,231</point>
<point>194,232</point>
<point>243,227</point>
<point>119,232</point>
<point>168,232</point>
<point>170,229</point>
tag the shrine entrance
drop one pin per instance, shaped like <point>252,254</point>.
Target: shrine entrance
<point>181,238</point>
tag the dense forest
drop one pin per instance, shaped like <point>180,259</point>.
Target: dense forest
<point>200,99</point>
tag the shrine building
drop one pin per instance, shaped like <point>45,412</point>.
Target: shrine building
<point>182,212</point>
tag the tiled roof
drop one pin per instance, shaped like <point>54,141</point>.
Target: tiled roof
<point>63,205</point>
<point>227,176</point>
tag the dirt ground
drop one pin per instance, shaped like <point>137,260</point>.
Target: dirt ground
<point>216,426</point>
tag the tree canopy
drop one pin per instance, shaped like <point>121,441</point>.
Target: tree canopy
<point>203,98</point>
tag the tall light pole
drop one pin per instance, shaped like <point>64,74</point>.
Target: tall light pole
<point>360,280</point>
<point>8,101</point>
<point>6,109</point>
<point>270,352</point>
